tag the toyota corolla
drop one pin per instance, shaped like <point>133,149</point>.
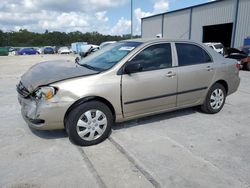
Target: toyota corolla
<point>126,80</point>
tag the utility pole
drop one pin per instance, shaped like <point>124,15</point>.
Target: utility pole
<point>131,19</point>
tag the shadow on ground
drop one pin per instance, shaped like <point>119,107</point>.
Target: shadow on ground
<point>54,134</point>
<point>155,118</point>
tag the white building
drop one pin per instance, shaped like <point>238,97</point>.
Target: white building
<point>226,21</point>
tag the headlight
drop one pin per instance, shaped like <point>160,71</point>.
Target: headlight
<point>46,92</point>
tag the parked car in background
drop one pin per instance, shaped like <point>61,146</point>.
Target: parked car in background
<point>27,51</point>
<point>246,63</point>
<point>56,48</point>
<point>13,51</point>
<point>217,46</point>
<point>48,50</point>
<point>4,51</point>
<point>88,49</point>
<point>103,44</point>
<point>64,50</point>
<point>242,57</point>
<point>126,80</point>
<point>95,47</point>
<point>245,49</point>
<point>76,47</point>
<point>39,49</point>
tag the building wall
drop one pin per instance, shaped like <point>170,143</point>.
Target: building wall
<point>212,14</point>
<point>243,23</point>
<point>176,25</point>
<point>152,26</point>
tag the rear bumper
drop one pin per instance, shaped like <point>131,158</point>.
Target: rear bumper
<point>43,115</point>
<point>233,85</point>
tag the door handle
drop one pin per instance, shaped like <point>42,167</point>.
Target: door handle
<point>209,68</point>
<point>170,74</point>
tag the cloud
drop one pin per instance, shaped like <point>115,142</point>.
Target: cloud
<point>68,15</point>
<point>138,14</point>
<point>101,16</point>
<point>54,15</point>
<point>122,26</point>
<point>65,21</point>
<point>159,6</point>
<point>104,4</point>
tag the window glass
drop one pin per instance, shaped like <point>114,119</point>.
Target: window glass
<point>154,57</point>
<point>218,46</point>
<point>109,56</point>
<point>189,54</point>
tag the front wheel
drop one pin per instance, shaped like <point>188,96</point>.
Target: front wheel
<point>89,123</point>
<point>215,99</point>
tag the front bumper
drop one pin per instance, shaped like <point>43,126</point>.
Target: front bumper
<point>43,115</point>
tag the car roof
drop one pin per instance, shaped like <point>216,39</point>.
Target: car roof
<point>152,40</point>
<point>216,55</point>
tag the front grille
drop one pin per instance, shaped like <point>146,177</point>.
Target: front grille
<point>22,90</point>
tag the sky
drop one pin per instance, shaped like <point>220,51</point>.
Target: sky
<point>104,16</point>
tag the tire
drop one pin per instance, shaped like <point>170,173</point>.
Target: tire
<point>247,66</point>
<point>89,123</point>
<point>215,99</point>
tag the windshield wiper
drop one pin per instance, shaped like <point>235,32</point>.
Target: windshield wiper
<point>92,68</point>
<point>88,66</point>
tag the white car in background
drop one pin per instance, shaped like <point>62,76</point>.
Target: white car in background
<point>40,50</point>
<point>217,46</point>
<point>103,44</point>
<point>88,49</point>
<point>64,50</point>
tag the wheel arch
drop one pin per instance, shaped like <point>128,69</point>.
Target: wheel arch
<point>223,83</point>
<point>87,99</point>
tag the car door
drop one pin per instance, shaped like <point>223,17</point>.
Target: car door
<point>195,73</point>
<point>153,88</point>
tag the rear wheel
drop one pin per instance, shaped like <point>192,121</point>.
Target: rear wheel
<point>215,99</point>
<point>89,123</point>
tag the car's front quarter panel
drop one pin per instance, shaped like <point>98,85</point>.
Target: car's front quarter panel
<point>49,111</point>
<point>104,85</point>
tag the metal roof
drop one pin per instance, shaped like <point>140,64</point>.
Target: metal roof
<point>199,5</point>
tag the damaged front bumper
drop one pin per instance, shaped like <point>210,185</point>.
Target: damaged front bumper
<point>42,114</point>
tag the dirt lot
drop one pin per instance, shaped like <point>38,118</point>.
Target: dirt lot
<point>185,148</point>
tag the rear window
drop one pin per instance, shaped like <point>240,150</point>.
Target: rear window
<point>190,54</point>
<point>218,46</point>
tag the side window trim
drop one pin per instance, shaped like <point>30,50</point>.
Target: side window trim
<point>177,65</point>
<point>147,46</point>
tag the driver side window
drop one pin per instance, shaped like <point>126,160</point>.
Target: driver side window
<point>155,57</point>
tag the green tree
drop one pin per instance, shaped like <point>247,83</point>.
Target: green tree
<point>23,38</point>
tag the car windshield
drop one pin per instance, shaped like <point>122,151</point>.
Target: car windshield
<point>107,57</point>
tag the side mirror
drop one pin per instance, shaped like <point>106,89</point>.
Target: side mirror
<point>133,68</point>
<point>77,60</point>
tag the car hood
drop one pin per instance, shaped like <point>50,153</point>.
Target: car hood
<point>52,71</point>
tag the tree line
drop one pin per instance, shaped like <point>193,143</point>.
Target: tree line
<point>23,38</point>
